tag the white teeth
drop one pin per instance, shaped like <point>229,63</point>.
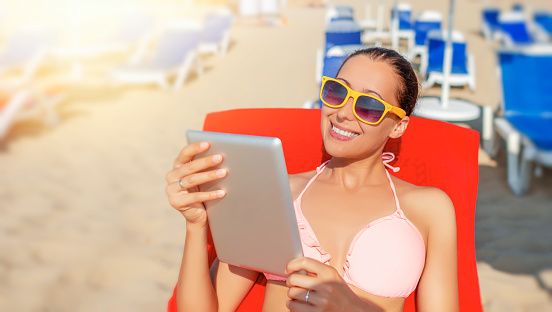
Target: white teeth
<point>344,133</point>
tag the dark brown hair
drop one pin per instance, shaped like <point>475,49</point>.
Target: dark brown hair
<point>407,92</point>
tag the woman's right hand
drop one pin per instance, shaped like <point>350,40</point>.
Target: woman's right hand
<point>183,180</point>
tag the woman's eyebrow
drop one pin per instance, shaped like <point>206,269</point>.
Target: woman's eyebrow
<point>363,90</point>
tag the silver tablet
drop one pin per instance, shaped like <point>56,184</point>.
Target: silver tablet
<point>254,225</point>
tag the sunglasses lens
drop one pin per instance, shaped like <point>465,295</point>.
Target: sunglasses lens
<point>369,109</point>
<point>333,93</point>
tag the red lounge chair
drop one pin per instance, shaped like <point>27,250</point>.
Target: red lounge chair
<point>431,152</point>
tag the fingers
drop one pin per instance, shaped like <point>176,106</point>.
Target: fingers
<point>303,281</point>
<point>188,153</point>
<point>300,294</point>
<point>300,306</point>
<point>306,264</point>
<point>191,180</point>
<point>184,200</point>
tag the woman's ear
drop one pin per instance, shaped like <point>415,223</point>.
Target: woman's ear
<point>400,128</point>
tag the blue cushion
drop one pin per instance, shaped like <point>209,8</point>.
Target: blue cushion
<point>526,82</point>
<point>422,28</point>
<point>490,17</point>
<point>332,65</point>
<point>405,19</point>
<point>544,19</point>
<point>436,56</point>
<point>518,32</point>
<point>342,32</point>
<point>537,128</point>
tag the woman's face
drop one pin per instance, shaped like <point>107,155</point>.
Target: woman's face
<point>360,139</point>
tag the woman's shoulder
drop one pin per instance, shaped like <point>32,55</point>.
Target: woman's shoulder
<point>298,181</point>
<point>425,203</point>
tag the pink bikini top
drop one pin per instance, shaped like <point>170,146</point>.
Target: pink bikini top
<point>386,257</point>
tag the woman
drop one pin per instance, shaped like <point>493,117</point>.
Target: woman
<point>369,239</point>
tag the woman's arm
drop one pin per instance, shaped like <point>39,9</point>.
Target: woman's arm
<point>220,288</point>
<point>438,286</point>
<point>195,290</point>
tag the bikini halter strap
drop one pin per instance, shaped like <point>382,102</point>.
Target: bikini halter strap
<point>387,157</point>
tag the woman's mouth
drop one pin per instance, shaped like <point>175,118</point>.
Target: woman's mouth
<point>342,134</point>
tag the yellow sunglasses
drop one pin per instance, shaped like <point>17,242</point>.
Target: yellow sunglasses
<point>367,108</point>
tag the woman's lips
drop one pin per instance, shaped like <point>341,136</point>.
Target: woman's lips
<point>341,134</point>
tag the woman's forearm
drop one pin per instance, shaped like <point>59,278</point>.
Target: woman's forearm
<point>195,291</point>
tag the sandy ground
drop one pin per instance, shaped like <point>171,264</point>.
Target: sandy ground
<point>85,221</point>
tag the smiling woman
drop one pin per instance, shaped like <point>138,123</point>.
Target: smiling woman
<point>369,239</point>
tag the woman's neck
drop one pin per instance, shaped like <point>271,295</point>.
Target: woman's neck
<point>354,173</point>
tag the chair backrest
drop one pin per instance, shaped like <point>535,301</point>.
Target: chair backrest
<point>405,15</point>
<point>214,27</point>
<point>174,44</point>
<point>526,80</point>
<point>339,12</point>
<point>134,26</point>
<point>436,42</point>
<point>25,44</point>
<point>544,20</point>
<point>425,22</point>
<point>336,56</point>
<point>514,29</point>
<point>430,153</point>
<point>490,17</point>
<point>342,32</point>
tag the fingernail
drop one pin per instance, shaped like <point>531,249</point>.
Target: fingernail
<point>220,193</point>
<point>203,145</point>
<point>217,158</point>
<point>221,173</point>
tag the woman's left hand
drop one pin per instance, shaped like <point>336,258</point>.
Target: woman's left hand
<point>323,289</point>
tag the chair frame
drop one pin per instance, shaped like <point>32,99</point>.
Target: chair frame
<point>459,181</point>
<point>523,154</point>
<point>456,80</point>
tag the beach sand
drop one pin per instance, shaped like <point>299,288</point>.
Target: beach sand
<point>86,225</point>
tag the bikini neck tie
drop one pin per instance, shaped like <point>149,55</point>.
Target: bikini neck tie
<point>388,157</point>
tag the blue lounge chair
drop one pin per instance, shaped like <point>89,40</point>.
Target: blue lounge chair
<point>526,111</point>
<point>339,13</point>
<point>215,34</point>
<point>543,23</point>
<point>342,32</point>
<point>514,29</point>
<point>425,22</point>
<point>405,31</point>
<point>490,28</point>
<point>329,64</point>
<point>463,65</point>
<point>174,55</point>
<point>25,51</point>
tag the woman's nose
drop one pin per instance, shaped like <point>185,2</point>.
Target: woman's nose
<point>346,111</point>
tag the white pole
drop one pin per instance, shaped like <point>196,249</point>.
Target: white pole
<point>447,61</point>
<point>395,28</point>
<point>379,24</point>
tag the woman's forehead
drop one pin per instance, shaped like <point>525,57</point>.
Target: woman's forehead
<point>364,73</point>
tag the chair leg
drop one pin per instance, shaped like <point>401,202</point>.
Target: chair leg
<point>429,82</point>
<point>526,169</point>
<point>183,70</point>
<point>490,142</point>
<point>518,169</point>
<point>471,71</point>
<point>319,66</point>
<point>225,42</point>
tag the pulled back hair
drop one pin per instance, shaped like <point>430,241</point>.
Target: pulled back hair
<point>407,91</point>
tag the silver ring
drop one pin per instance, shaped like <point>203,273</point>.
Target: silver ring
<point>307,296</point>
<point>180,183</point>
